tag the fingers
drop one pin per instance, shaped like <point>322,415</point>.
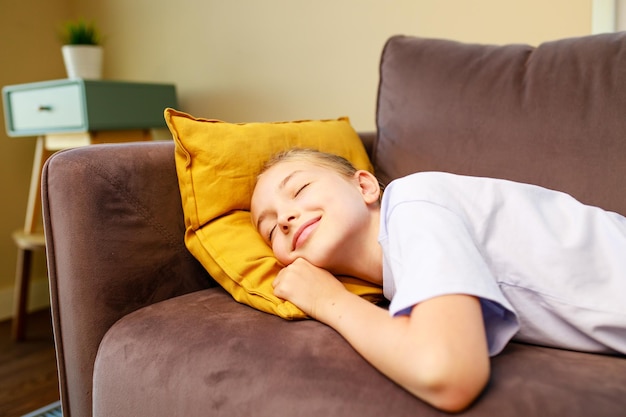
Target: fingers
<point>293,283</point>
<point>281,282</point>
<point>291,269</point>
<point>276,281</point>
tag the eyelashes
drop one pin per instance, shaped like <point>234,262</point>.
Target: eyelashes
<point>301,188</point>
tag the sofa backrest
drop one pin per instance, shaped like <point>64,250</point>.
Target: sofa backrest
<point>554,115</point>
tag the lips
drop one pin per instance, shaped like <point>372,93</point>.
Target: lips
<point>303,233</point>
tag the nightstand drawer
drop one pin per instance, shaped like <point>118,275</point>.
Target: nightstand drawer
<point>47,109</point>
<point>77,105</point>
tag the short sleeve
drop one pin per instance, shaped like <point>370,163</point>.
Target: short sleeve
<point>429,252</point>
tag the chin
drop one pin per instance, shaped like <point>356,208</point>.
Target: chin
<point>320,256</point>
<point>324,264</point>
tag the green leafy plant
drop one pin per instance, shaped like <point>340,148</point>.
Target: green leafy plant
<point>80,32</point>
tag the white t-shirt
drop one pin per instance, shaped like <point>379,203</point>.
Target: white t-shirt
<point>548,269</point>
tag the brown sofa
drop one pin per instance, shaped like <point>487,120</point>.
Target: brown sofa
<point>142,330</point>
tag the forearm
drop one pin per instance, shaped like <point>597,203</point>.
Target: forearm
<point>438,353</point>
<point>421,359</point>
<point>373,333</point>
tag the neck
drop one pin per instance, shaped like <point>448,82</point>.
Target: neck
<point>365,260</point>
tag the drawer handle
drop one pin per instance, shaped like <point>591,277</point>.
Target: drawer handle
<point>44,108</point>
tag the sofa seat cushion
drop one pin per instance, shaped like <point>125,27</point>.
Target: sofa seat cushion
<point>203,354</point>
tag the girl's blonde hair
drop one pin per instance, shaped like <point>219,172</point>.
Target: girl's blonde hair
<point>337,163</point>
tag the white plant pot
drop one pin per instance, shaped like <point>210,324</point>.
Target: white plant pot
<point>83,61</point>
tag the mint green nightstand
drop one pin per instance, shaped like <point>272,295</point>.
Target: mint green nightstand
<point>69,113</point>
<point>76,105</point>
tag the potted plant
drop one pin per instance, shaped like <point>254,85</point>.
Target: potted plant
<point>82,49</point>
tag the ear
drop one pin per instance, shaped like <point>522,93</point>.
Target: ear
<point>368,185</point>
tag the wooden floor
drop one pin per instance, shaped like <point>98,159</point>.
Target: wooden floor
<point>28,372</point>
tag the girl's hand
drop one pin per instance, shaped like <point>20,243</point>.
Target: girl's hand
<point>308,287</point>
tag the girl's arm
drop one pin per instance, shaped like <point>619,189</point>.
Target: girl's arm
<point>438,353</point>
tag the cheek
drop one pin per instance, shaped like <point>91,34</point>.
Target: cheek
<point>280,251</point>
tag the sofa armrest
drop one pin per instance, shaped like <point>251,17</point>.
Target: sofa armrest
<point>114,237</point>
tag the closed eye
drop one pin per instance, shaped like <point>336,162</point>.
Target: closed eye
<point>271,233</point>
<point>301,188</point>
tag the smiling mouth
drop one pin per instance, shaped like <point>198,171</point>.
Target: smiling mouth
<point>303,233</point>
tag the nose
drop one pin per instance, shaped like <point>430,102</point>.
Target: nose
<point>286,220</point>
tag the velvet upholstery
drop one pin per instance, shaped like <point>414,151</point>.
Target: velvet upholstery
<point>240,362</point>
<point>551,115</point>
<point>142,330</point>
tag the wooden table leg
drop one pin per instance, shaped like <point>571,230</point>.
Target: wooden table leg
<point>27,242</point>
<point>22,277</point>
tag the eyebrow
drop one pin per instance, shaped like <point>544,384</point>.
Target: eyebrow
<point>281,186</point>
<point>284,182</point>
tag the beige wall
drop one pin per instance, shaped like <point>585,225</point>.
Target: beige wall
<point>249,60</point>
<point>243,60</point>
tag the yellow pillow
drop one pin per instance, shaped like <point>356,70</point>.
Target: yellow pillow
<point>217,164</point>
